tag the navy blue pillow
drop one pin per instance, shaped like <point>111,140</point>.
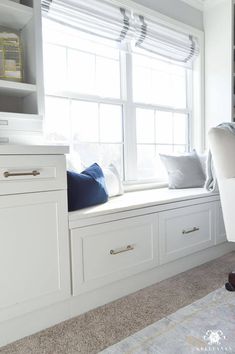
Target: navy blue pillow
<point>86,188</point>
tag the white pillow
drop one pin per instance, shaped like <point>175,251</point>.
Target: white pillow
<point>113,181</point>
<point>184,171</point>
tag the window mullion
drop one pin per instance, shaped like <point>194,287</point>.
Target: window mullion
<point>130,143</point>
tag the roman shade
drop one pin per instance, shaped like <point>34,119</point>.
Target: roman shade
<point>94,17</point>
<point>162,41</point>
<point>121,25</point>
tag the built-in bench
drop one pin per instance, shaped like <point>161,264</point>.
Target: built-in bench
<point>138,200</point>
<point>149,234</point>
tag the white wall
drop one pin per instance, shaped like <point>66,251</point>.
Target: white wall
<point>218,20</point>
<point>176,9</point>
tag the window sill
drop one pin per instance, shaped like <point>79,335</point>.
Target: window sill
<point>143,186</point>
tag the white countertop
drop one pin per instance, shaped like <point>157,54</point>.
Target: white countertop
<point>140,199</point>
<point>8,149</point>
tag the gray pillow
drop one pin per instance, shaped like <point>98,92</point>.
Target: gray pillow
<point>184,171</point>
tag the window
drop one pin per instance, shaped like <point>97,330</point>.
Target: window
<point>112,105</point>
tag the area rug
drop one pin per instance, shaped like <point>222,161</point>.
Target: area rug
<point>207,325</point>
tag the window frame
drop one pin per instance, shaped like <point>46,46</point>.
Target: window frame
<point>194,107</point>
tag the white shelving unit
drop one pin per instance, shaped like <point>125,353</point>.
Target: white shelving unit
<point>14,14</point>
<point>22,103</point>
<point>16,89</point>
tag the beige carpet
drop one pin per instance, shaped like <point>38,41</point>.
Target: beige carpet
<point>100,328</point>
<point>206,325</point>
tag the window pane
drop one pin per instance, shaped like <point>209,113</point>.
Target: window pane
<point>146,162</point>
<point>162,149</point>
<point>158,82</point>
<point>81,71</point>
<point>180,128</point>
<point>145,125</point>
<point>108,77</point>
<point>112,153</point>
<point>161,89</point>
<point>54,67</point>
<point>110,123</point>
<point>56,125</point>
<point>180,149</point>
<point>88,152</point>
<point>164,127</point>
<point>141,84</point>
<point>178,85</point>
<point>103,154</point>
<point>85,123</point>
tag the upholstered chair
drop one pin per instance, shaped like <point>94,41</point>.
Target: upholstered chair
<point>222,146</point>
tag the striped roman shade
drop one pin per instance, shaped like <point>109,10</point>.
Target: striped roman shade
<point>95,17</point>
<point>103,19</point>
<point>165,42</point>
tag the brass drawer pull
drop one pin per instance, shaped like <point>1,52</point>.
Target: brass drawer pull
<point>184,232</point>
<point>121,250</point>
<point>9,174</point>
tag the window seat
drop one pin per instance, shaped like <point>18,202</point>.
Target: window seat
<point>140,199</point>
<point>144,232</point>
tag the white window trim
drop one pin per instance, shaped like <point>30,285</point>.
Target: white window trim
<point>197,132</point>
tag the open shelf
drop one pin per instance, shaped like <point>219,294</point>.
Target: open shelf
<point>13,15</point>
<point>16,89</point>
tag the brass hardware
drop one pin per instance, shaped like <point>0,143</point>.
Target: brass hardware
<point>121,250</point>
<point>9,174</point>
<point>184,232</point>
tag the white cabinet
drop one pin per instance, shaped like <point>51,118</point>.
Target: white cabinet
<point>34,239</point>
<point>34,264</point>
<point>186,230</point>
<point>105,253</point>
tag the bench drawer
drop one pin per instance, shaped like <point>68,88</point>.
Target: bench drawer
<point>105,253</point>
<point>25,173</point>
<point>186,230</point>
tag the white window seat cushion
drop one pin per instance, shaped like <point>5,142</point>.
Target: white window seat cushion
<point>139,199</point>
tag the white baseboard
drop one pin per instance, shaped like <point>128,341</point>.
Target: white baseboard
<point>33,322</point>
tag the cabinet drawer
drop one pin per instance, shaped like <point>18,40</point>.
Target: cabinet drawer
<point>186,230</point>
<point>29,124</point>
<point>105,253</point>
<point>24,173</point>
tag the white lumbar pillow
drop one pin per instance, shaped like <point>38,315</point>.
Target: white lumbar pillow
<point>113,181</point>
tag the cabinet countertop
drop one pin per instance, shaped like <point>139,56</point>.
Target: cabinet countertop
<point>8,149</point>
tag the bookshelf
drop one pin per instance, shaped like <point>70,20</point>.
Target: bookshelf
<point>20,101</point>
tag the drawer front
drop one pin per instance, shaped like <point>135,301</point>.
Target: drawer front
<point>220,228</point>
<point>22,174</point>
<point>19,124</point>
<point>105,253</point>
<point>186,230</point>
<point>18,137</point>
